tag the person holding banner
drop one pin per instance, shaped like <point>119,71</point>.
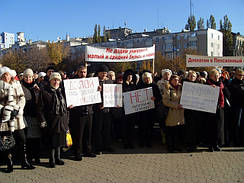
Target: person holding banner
<point>191,120</point>
<point>215,122</point>
<point>129,84</point>
<point>102,118</point>
<point>81,125</point>
<point>147,118</point>
<point>175,118</point>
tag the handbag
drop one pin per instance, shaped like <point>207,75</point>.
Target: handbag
<point>6,142</point>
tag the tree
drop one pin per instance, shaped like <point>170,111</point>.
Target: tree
<point>105,39</point>
<point>14,60</point>
<point>212,22</point>
<point>191,23</point>
<point>99,34</point>
<point>95,34</point>
<point>57,52</point>
<point>200,24</point>
<point>208,24</point>
<point>226,29</point>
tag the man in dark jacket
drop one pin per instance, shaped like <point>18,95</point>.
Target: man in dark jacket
<point>237,107</point>
<point>81,125</point>
<point>102,118</point>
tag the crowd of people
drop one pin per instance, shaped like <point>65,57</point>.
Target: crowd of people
<point>33,109</point>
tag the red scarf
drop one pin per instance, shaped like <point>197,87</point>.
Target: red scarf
<point>221,100</point>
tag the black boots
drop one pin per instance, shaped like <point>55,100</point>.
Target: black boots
<point>25,164</point>
<point>55,155</point>
<point>9,164</point>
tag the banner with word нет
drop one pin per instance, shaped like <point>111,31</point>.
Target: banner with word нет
<point>112,95</point>
<point>102,54</point>
<point>199,97</point>
<point>205,61</point>
<point>138,100</point>
<point>82,91</point>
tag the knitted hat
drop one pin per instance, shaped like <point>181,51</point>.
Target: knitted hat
<point>41,74</point>
<point>166,70</point>
<point>4,70</point>
<point>55,75</point>
<point>103,68</point>
<point>28,72</point>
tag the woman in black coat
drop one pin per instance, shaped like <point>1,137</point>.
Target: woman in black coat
<point>147,118</point>
<point>129,84</point>
<point>53,115</point>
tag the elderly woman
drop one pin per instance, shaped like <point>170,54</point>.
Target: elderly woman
<point>147,118</point>
<point>215,122</point>
<point>31,91</point>
<point>191,119</point>
<point>53,115</point>
<point>17,125</point>
<point>175,118</point>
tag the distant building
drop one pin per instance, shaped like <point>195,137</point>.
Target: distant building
<point>6,40</point>
<point>207,42</point>
<point>119,33</point>
<point>238,42</point>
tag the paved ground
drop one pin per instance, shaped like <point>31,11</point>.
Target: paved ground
<point>139,165</point>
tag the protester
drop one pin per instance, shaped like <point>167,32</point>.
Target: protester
<point>31,91</point>
<point>53,115</point>
<point>81,125</point>
<point>102,118</point>
<point>147,118</point>
<point>129,84</point>
<point>191,120</point>
<point>175,118</point>
<point>237,108</point>
<point>45,82</point>
<point>6,106</point>
<point>215,121</point>
<point>111,75</point>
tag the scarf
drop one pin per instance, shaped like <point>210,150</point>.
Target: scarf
<point>221,100</point>
<point>58,106</point>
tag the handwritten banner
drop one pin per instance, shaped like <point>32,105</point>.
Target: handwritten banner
<point>138,100</point>
<point>205,61</point>
<point>82,91</point>
<point>112,95</point>
<point>102,54</point>
<point>199,97</point>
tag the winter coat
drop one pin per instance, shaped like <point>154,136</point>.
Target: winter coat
<point>31,97</point>
<point>52,109</point>
<point>171,99</point>
<point>19,99</point>
<point>161,85</point>
<point>237,92</point>
<point>6,106</point>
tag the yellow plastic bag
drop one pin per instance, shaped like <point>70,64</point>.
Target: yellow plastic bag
<point>68,139</point>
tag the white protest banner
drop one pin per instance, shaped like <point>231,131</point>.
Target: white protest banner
<point>112,95</point>
<point>138,100</point>
<point>205,61</point>
<point>199,97</point>
<point>102,54</point>
<point>82,91</point>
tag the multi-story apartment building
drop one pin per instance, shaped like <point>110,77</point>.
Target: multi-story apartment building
<point>6,40</point>
<point>207,42</point>
<point>238,44</point>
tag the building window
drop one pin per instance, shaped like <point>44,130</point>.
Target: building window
<point>218,37</point>
<point>211,53</point>
<point>193,43</point>
<point>185,45</point>
<point>212,45</point>
<point>212,35</point>
<point>169,46</point>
